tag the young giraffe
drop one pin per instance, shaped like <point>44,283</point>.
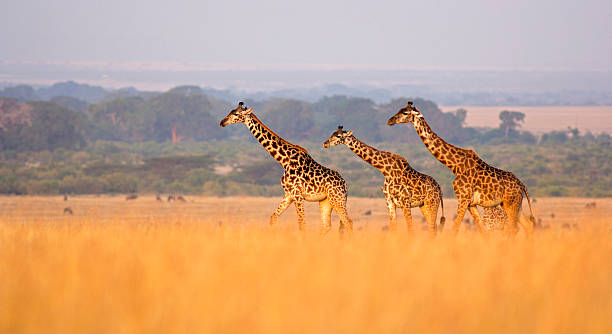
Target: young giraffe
<point>303,179</point>
<point>494,218</point>
<point>476,182</point>
<point>404,187</point>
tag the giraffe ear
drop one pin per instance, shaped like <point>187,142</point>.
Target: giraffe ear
<point>348,133</point>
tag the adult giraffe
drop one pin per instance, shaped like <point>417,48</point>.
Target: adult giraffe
<point>304,179</point>
<point>476,182</point>
<point>404,187</point>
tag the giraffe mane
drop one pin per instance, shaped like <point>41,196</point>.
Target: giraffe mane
<point>274,133</point>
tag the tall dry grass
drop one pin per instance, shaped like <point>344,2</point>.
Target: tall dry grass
<point>215,266</point>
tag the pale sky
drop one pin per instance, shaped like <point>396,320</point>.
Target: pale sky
<point>482,34</point>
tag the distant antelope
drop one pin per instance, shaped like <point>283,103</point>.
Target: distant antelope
<point>65,196</point>
<point>158,198</point>
<point>131,197</point>
<point>171,198</point>
<point>68,210</point>
<point>180,198</point>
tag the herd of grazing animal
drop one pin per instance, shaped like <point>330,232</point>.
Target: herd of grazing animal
<point>476,183</point>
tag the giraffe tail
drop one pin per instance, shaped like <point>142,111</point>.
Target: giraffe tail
<point>442,219</point>
<point>524,189</point>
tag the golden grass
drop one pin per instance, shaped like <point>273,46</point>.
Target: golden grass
<point>543,118</point>
<point>214,265</point>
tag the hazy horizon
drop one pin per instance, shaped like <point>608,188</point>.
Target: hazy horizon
<point>239,34</point>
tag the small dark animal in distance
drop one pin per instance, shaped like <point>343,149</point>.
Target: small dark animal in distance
<point>171,198</point>
<point>158,198</point>
<point>180,198</point>
<point>68,210</point>
<point>131,197</point>
<point>591,205</point>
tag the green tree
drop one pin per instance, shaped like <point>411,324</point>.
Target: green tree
<point>291,119</point>
<point>184,116</point>
<point>510,121</point>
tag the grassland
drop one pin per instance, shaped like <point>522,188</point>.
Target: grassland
<point>213,265</point>
<point>541,119</point>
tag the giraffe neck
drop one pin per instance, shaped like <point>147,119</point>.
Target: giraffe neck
<point>370,155</point>
<point>281,150</point>
<point>453,157</point>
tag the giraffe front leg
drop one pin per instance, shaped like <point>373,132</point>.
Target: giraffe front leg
<point>462,206</point>
<point>299,208</point>
<point>392,214</point>
<point>326,210</point>
<point>284,204</point>
<point>474,211</point>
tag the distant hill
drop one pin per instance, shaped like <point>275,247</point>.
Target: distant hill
<point>79,91</point>
<point>84,92</point>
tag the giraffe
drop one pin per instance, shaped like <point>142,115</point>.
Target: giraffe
<point>494,218</point>
<point>476,182</point>
<point>404,187</point>
<point>304,179</point>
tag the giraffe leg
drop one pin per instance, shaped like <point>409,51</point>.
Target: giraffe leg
<point>326,210</point>
<point>463,205</point>
<point>527,225</point>
<point>474,211</point>
<point>284,204</point>
<point>392,215</point>
<point>299,208</point>
<point>431,214</point>
<point>513,217</point>
<point>407,211</point>
<point>512,205</point>
<point>346,224</point>
<point>338,202</point>
<point>345,221</point>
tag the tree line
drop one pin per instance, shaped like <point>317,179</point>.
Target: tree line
<point>111,146</point>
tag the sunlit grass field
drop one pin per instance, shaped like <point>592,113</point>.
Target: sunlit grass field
<point>213,265</point>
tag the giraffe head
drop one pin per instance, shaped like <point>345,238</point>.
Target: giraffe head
<point>237,115</point>
<point>407,114</point>
<point>337,137</point>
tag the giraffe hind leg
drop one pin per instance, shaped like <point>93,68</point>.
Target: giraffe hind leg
<point>527,224</point>
<point>512,210</point>
<point>407,211</point>
<point>346,224</point>
<point>431,214</point>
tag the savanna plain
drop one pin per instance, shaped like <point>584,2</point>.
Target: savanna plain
<point>215,265</point>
